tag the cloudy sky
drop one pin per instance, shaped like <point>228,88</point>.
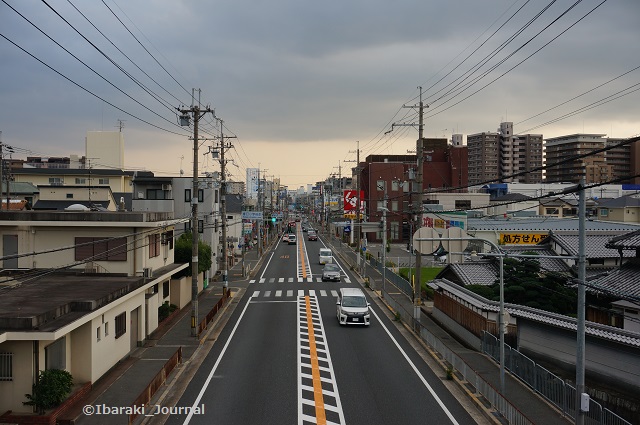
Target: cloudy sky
<point>300,82</point>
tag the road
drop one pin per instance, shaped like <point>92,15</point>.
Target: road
<point>283,358</point>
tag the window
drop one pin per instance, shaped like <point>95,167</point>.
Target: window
<point>463,204</point>
<point>187,227</point>
<point>154,245</point>
<point>98,333</point>
<point>200,195</point>
<point>106,329</point>
<point>6,366</point>
<point>56,181</point>
<point>395,228</point>
<point>155,194</point>
<point>187,195</point>
<point>380,185</point>
<point>395,185</point>
<point>165,289</point>
<point>121,324</point>
<point>55,355</point>
<point>394,205</point>
<point>604,212</point>
<point>100,249</point>
<point>69,195</point>
<point>167,239</point>
<point>215,195</point>
<point>103,181</point>
<point>405,187</point>
<point>81,180</point>
<point>380,205</point>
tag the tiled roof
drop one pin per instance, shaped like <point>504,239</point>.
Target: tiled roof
<point>623,282</point>
<point>594,329</point>
<point>548,264</point>
<point>476,273</point>
<point>632,200</point>
<point>626,241</point>
<point>595,246</point>
<point>511,197</point>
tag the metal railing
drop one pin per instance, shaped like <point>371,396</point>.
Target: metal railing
<point>550,386</point>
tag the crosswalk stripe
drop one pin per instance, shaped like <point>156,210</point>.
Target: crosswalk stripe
<point>262,280</point>
<point>290,279</point>
<point>310,279</point>
<point>272,280</point>
<point>278,293</point>
<point>323,293</point>
<point>267,293</point>
<point>281,280</point>
<point>256,293</point>
<point>334,293</point>
<point>252,281</point>
<point>290,293</point>
<point>301,292</point>
<point>299,280</point>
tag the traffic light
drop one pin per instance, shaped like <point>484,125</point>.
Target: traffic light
<point>273,219</point>
<point>381,224</point>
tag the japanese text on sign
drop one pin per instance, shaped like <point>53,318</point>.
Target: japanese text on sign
<point>521,238</point>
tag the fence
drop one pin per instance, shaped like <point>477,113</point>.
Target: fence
<point>155,383</point>
<point>202,326</point>
<point>553,388</point>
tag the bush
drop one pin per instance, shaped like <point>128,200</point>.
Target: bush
<point>51,389</point>
<point>165,310</point>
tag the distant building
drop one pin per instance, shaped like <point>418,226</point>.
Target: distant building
<point>617,163</point>
<point>498,156</point>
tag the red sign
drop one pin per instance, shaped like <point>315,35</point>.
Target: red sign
<point>351,200</point>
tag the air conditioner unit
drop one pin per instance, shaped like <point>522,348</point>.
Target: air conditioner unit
<point>166,187</point>
<point>147,272</point>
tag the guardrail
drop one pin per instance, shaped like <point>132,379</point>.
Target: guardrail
<point>202,326</point>
<point>155,384</point>
<point>553,388</point>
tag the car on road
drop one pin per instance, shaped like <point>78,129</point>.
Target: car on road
<point>352,307</point>
<point>292,239</point>
<point>325,256</point>
<point>285,238</point>
<point>331,272</point>
<point>312,236</point>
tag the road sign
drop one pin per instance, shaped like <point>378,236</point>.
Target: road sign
<point>347,229</point>
<point>252,215</point>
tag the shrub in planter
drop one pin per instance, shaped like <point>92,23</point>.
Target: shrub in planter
<point>51,389</point>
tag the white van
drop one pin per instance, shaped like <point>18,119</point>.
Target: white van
<point>352,307</point>
<point>325,256</point>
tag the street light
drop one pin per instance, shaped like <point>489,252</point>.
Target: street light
<point>501,326</point>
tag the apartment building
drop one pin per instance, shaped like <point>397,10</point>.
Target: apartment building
<point>498,156</point>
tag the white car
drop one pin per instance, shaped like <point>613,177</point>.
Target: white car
<point>352,307</point>
<point>292,239</point>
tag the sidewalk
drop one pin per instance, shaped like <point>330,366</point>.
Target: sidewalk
<point>521,397</point>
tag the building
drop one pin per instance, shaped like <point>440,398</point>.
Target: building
<point>498,156</point>
<point>617,163</point>
<point>253,183</point>
<point>89,285</point>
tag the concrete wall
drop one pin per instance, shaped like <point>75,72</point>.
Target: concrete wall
<point>606,361</point>
<point>180,291</point>
<point>80,366</point>
<point>12,392</point>
<point>153,302</point>
<point>458,330</point>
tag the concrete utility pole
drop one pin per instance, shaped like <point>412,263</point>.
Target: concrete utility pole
<point>581,324</point>
<point>223,205</point>
<point>418,187</point>
<point>184,120</point>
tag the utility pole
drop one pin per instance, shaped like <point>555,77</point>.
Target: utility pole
<point>581,323</point>
<point>184,120</point>
<point>418,186</point>
<point>223,205</point>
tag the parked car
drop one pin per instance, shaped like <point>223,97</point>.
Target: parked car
<point>352,307</point>
<point>312,236</point>
<point>292,239</point>
<point>331,271</point>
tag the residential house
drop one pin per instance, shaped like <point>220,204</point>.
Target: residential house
<point>625,209</point>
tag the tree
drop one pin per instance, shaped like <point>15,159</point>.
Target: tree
<point>183,254</point>
<point>52,388</point>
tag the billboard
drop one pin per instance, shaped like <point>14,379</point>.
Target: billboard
<point>350,198</point>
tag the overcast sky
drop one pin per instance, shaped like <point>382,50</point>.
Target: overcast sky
<point>300,82</point>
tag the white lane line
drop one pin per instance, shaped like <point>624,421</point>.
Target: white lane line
<point>415,369</point>
<point>266,267</point>
<point>214,368</point>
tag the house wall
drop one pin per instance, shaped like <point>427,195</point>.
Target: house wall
<point>12,392</point>
<point>152,304</point>
<point>81,350</point>
<point>42,238</point>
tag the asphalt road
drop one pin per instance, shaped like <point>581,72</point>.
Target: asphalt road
<point>283,359</point>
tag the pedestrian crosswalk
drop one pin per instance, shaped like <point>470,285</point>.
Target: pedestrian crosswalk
<point>345,279</point>
<point>295,293</point>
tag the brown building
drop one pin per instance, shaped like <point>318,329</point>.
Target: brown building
<point>444,166</point>
<point>619,162</point>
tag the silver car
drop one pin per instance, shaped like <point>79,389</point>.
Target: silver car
<point>331,272</point>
